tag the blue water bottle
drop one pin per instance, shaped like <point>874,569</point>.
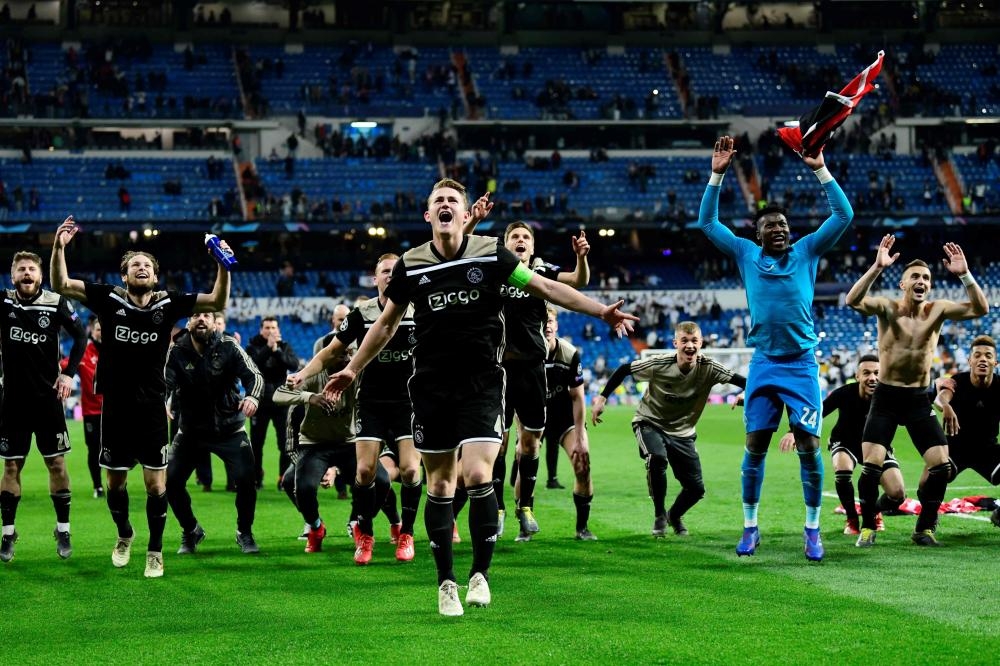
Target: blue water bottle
<point>221,254</point>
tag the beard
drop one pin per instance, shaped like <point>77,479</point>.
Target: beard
<point>27,290</point>
<point>138,289</point>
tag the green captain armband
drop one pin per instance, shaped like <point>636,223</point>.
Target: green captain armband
<point>520,277</point>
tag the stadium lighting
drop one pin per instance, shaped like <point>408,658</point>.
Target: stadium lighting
<point>364,124</point>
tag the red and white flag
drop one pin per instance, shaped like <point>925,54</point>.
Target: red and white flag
<point>809,134</point>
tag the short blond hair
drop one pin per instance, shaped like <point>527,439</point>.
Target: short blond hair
<point>453,184</point>
<point>687,327</point>
<point>25,256</point>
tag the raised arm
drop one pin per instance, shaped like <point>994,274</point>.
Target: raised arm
<point>977,305</point>
<point>479,212</point>
<point>857,297</point>
<point>217,300</point>
<point>377,338</point>
<point>571,299</point>
<point>580,276</point>
<point>58,274</point>
<point>708,213</point>
<point>841,215</point>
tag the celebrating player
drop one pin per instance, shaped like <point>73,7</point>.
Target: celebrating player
<point>780,278</point>
<point>454,282</point>
<point>138,320</point>
<point>908,330</point>
<point>34,388</point>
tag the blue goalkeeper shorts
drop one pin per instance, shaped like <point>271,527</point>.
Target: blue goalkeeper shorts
<point>778,382</point>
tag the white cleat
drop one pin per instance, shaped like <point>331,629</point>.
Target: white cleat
<point>479,591</point>
<point>448,603</point>
<point>154,565</point>
<point>122,552</point>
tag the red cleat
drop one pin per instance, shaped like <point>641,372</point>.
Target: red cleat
<point>455,538</point>
<point>314,541</point>
<point>879,523</point>
<point>394,533</point>
<point>851,526</point>
<point>404,549</point>
<point>363,553</point>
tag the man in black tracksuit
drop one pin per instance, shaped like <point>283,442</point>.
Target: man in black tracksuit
<point>204,370</point>
<point>275,359</point>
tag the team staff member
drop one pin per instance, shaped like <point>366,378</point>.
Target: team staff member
<point>90,404</point>
<point>454,282</point>
<point>275,358</point>
<point>204,370</point>
<point>139,320</point>
<point>30,321</point>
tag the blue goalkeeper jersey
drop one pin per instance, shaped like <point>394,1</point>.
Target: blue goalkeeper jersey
<point>779,289</point>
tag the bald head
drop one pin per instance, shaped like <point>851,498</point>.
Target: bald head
<point>339,315</point>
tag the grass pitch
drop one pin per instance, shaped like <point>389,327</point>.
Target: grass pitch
<point>626,598</point>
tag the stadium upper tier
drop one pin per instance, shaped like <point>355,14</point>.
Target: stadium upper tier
<point>159,83</point>
<point>657,188</point>
<point>666,189</point>
<point>871,183</point>
<point>380,81</point>
<point>580,84</point>
<point>343,81</point>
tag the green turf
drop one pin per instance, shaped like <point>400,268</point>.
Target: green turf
<point>626,598</point>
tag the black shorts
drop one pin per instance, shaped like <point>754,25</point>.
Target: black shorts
<point>133,433</point>
<point>525,395</point>
<point>680,452</point>
<point>558,422</point>
<point>894,406</point>
<point>450,409</point>
<point>853,451</point>
<point>386,422</point>
<point>984,459</point>
<point>45,419</point>
<point>187,452</point>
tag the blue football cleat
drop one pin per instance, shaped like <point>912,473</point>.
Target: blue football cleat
<point>813,544</point>
<point>749,542</point>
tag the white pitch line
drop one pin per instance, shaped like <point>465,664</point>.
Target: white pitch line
<point>968,516</point>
